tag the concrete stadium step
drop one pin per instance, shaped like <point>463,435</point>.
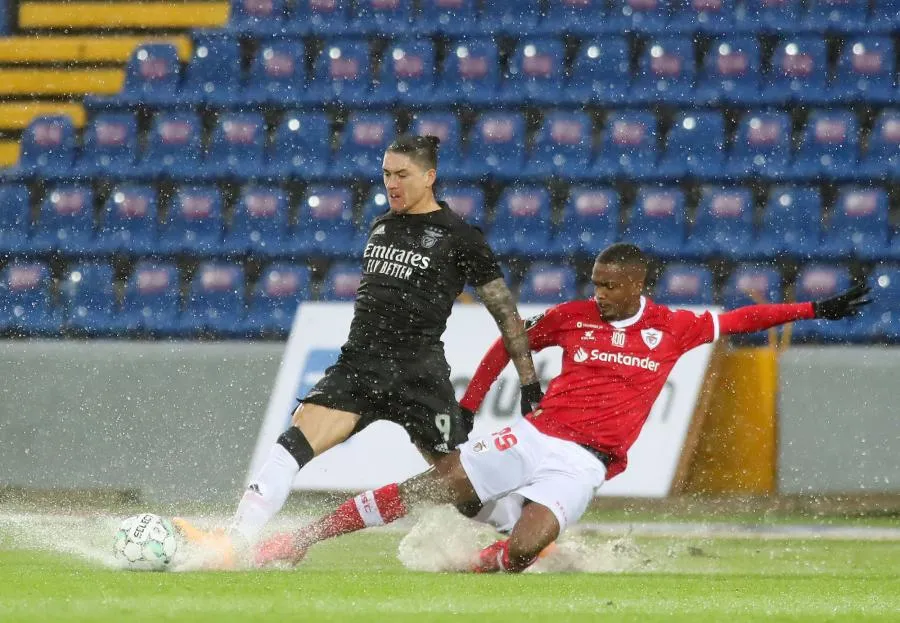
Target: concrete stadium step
<point>17,115</point>
<point>82,49</point>
<point>52,82</point>
<point>122,15</point>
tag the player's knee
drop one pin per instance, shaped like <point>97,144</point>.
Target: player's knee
<point>469,509</point>
<point>295,442</point>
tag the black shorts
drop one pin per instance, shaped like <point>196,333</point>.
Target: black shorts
<point>415,394</point>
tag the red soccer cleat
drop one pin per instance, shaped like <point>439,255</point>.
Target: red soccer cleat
<point>280,548</point>
<point>490,559</point>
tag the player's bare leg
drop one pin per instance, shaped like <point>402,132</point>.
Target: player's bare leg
<point>536,530</point>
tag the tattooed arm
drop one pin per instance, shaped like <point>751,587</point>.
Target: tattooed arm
<point>500,302</point>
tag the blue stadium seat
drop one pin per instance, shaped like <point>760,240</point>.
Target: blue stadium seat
<point>496,146</point>
<point>15,218</point>
<point>342,74</point>
<point>406,76</point>
<point>658,221</point>
<point>471,73</point>
<point>684,284</point>
<point>152,300</point>
<point>129,224</point>
<point>521,223</point>
<point>590,222</point>
<point>47,148</point>
<point>382,17</point>
<point>865,71</point>
<point>152,78</point>
<point>647,16</point>
<point>213,75</point>
<point>705,16</point>
<point>750,284</point>
<point>301,147</point>
<point>790,225</point>
<point>829,148</point>
<point>548,283</point>
<point>510,18</point>
<point>257,18</point>
<point>579,18</point>
<point>363,142</point>
<point>278,75</point>
<point>467,202</point>
<point>452,18</point>
<point>173,146</point>
<point>66,222</point>
<point>194,224</point>
<point>798,72</point>
<point>858,225</point>
<point>237,148</point>
<point>769,16</point>
<point>445,126</point>
<point>259,225</point>
<point>341,282</point>
<point>761,146</point>
<point>216,304</point>
<point>694,146</point>
<point>276,295</point>
<point>885,16</point>
<point>880,321</point>
<point>325,226</point>
<point>89,299</point>
<point>319,17</point>
<point>816,282</point>
<point>666,72</point>
<point>882,158</point>
<point>535,73</point>
<point>375,205</point>
<point>835,16</point>
<point>628,147</point>
<point>109,146</point>
<point>731,72</point>
<point>600,73</point>
<point>723,225</point>
<point>26,304</point>
<point>562,147</point>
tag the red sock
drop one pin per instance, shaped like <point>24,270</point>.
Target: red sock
<point>495,558</point>
<point>372,508</point>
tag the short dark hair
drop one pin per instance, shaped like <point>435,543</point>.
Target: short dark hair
<point>423,150</point>
<point>623,253</point>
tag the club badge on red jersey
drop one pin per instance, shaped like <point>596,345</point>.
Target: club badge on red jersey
<point>651,337</point>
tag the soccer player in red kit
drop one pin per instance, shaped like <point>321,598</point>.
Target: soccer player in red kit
<point>618,349</point>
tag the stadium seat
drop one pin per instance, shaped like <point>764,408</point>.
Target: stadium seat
<point>770,16</point>
<point>658,220</point>
<point>562,147</point>
<point>152,300</point>
<point>761,146</point>
<point>750,284</point>
<point>129,224</point>
<point>858,225</point>
<point>535,73</point>
<point>590,222</point>
<point>48,148</point>
<point>666,72</point>
<point>646,16</point>
<point>704,16</point>
<point>194,224</point>
<point>790,225</point>
<point>548,283</point>
<point>173,146</point>
<point>816,282</point>
<point>375,205</point>
<point>342,74</point>
<point>579,18</point>
<point>798,72</point>
<point>26,304</point>
<point>275,297</point>
<point>731,72</point>
<point>257,18</point>
<point>496,147</point>
<point>471,72</point>
<point>89,299</point>
<point>382,17</point>
<point>628,147</point>
<point>301,147</point>
<point>215,304</point>
<point>213,75</point>
<point>451,18</point>
<point>829,148</point>
<point>723,225</point>
<point>882,158</point>
<point>510,18</point>
<point>880,321</point>
<point>237,148</point>
<point>341,282</point>
<point>684,284</point>
<point>277,75</point>
<point>600,73</point>
<point>363,142</point>
<point>467,202</point>
<point>325,226</point>
<point>259,225</point>
<point>109,146</point>
<point>521,223</point>
<point>406,76</point>
<point>152,78</point>
<point>835,16</point>
<point>66,222</point>
<point>326,18</point>
<point>865,71</point>
<point>885,17</point>
<point>694,146</point>
<point>15,218</point>
<point>445,126</point>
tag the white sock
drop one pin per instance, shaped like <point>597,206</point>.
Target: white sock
<point>503,513</point>
<point>265,495</point>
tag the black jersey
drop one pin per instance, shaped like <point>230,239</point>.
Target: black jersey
<point>413,268</point>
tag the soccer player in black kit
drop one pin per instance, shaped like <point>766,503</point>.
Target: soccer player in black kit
<point>418,257</point>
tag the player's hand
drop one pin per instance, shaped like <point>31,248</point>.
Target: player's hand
<point>468,419</point>
<point>843,304</point>
<point>531,397</point>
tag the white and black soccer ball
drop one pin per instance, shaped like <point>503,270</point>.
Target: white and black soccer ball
<point>145,542</point>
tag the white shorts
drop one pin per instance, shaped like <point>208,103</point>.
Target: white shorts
<point>520,459</point>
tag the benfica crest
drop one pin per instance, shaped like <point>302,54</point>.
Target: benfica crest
<point>651,337</point>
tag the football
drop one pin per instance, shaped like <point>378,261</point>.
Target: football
<point>145,542</point>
